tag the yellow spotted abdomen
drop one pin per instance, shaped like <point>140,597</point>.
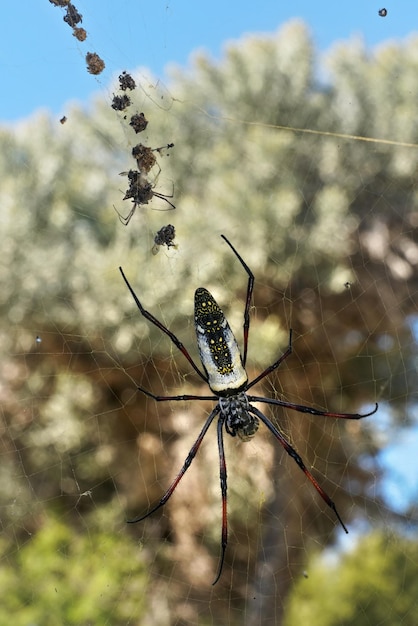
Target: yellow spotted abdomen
<point>218,348</point>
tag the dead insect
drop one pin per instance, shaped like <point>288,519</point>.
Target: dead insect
<point>120,103</point>
<point>164,237</point>
<point>126,82</point>
<point>80,34</point>
<point>72,17</point>
<point>138,122</point>
<point>60,3</point>
<point>95,65</point>
<point>144,157</point>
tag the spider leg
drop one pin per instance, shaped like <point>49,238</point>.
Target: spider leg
<point>275,365</point>
<point>125,220</point>
<point>193,451</point>
<point>164,197</point>
<point>165,330</point>
<point>307,409</point>
<point>223,481</point>
<point>298,459</point>
<point>250,289</point>
<point>166,398</point>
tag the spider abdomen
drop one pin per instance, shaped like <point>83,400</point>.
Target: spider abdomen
<point>218,348</point>
<point>239,420</point>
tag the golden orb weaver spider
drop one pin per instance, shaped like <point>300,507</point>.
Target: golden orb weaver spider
<point>224,372</point>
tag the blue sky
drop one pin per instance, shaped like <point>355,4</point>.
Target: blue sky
<point>42,65</point>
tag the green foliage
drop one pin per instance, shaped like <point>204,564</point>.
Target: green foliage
<point>64,576</point>
<point>375,583</point>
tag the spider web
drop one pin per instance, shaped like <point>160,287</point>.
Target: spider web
<point>278,161</point>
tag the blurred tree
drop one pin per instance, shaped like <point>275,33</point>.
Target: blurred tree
<point>385,593</point>
<point>61,577</point>
<point>329,227</point>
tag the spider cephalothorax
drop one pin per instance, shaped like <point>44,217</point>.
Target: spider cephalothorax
<point>238,419</point>
<point>225,374</point>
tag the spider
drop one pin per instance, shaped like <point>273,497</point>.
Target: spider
<point>141,190</point>
<point>224,372</point>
